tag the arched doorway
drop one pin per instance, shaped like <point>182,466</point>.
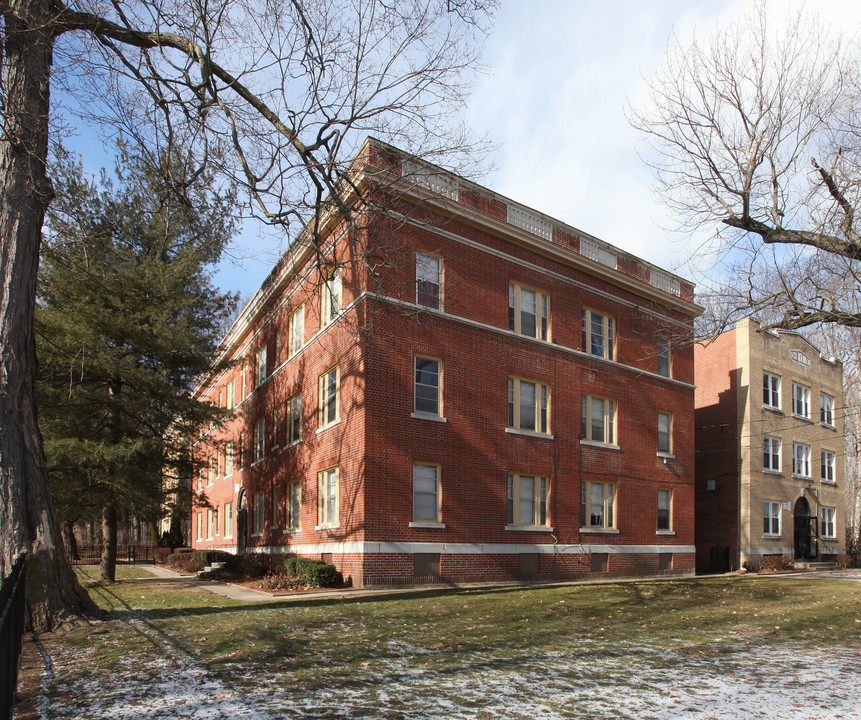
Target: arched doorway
<point>241,523</point>
<point>805,531</point>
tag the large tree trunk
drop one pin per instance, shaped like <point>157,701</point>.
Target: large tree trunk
<point>29,524</point>
<point>69,540</point>
<point>108,562</point>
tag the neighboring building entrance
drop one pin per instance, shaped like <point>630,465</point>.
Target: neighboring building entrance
<point>806,531</point>
<point>242,524</point>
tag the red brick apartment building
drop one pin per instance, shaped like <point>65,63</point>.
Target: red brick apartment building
<point>485,394</point>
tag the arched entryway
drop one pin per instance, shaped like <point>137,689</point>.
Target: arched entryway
<point>805,531</point>
<point>241,523</point>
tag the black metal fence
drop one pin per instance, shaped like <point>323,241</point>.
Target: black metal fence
<point>11,634</point>
<point>92,554</point>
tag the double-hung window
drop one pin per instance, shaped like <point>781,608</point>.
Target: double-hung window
<point>212,470</point>
<point>665,509</point>
<point>665,432</point>
<point>260,366</point>
<point>327,497</point>
<point>228,459</point>
<point>275,506</point>
<point>597,505</point>
<point>294,419</point>
<point>330,382</point>
<point>801,460</point>
<point>228,520</point>
<point>332,291</point>
<point>663,351</point>
<point>829,528</point>
<point>428,280</point>
<point>801,400</point>
<point>771,518</point>
<point>827,466</point>
<point>427,385</point>
<point>527,500</point>
<point>426,494</point>
<point>599,419</point>
<point>599,334</point>
<point>771,390</point>
<point>826,409</point>
<point>259,440</point>
<point>528,311</point>
<point>528,405</point>
<point>294,505</point>
<point>259,518</point>
<point>771,453</point>
<point>210,523</point>
<point>231,394</point>
<point>297,331</point>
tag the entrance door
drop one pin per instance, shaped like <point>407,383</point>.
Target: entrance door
<point>241,524</point>
<point>805,531</point>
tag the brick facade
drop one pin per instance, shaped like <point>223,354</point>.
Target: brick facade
<point>746,465</point>
<point>507,493</point>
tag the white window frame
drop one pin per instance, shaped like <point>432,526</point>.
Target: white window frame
<point>297,331</point>
<point>606,342</point>
<point>540,406</point>
<point>259,446</point>
<point>608,502</point>
<point>328,497</point>
<point>429,274</point>
<point>422,491</point>
<point>210,477</point>
<point>665,356</point>
<point>426,381</point>
<point>528,500</point>
<point>260,366</point>
<point>771,515</point>
<point>665,503</point>
<point>331,298</point>
<point>228,520</point>
<point>829,522</point>
<point>210,518</point>
<point>826,409</point>
<point>667,418</point>
<point>827,466</point>
<point>294,420</point>
<point>801,401</point>
<point>231,394</point>
<point>518,296</point>
<point>228,459</point>
<point>259,510</point>
<point>294,506</point>
<point>608,415</point>
<point>801,460</point>
<point>200,525</point>
<point>771,453</point>
<point>771,390</point>
<point>330,397</point>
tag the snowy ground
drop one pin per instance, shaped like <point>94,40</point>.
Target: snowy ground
<point>579,679</point>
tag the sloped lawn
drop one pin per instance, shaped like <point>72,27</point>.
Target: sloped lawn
<point>701,648</point>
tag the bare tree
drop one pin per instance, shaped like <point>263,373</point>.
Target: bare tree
<point>758,141</point>
<point>276,93</point>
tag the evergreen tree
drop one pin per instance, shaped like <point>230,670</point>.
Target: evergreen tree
<point>127,318</point>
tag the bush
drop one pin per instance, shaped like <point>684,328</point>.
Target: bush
<point>312,573</point>
<point>204,558</point>
<point>182,561</point>
<point>750,566</point>
<point>160,554</point>
<point>255,565</point>
<point>183,550</point>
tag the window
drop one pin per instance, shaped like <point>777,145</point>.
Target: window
<point>259,440</point>
<point>771,453</point>
<point>771,390</point>
<point>800,400</point>
<point>200,526</point>
<point>243,381</point>
<point>427,385</point>
<point>210,479</point>
<point>275,507</point>
<point>665,509</point>
<point>826,409</point>
<point>771,518</point>
<point>527,500</point>
<point>597,505</point>
<point>228,459</point>
<point>294,505</point>
<point>528,405</point>
<point>329,404</point>
<point>426,494</point>
<point>598,334</point>
<point>294,419</point>
<point>228,520</point>
<point>297,331</point>
<point>231,394</point>
<point>828,466</point>
<point>599,419</point>
<point>209,523</point>
<point>276,427</point>
<point>331,298</point>
<point>801,460</point>
<point>258,508</point>
<point>663,349</point>
<point>260,367</point>
<point>327,507</point>
<point>241,456</point>
<point>665,435</point>
<point>528,311</point>
<point>828,522</point>
<point>277,348</point>
<point>428,280</point>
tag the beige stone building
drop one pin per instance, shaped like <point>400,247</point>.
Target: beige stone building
<point>770,450</point>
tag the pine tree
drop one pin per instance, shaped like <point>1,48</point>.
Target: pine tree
<point>127,317</point>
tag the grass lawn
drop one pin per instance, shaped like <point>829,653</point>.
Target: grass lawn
<point>392,656</point>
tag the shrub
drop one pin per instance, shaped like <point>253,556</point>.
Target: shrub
<point>183,562</point>
<point>312,573</point>
<point>256,565</point>
<point>160,554</point>
<point>183,550</point>
<point>750,566</point>
<point>204,558</point>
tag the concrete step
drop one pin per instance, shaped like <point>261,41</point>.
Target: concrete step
<point>815,565</point>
